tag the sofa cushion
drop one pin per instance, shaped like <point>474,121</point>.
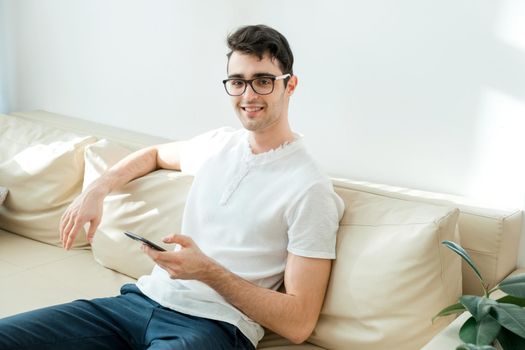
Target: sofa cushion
<point>391,276</point>
<point>43,168</point>
<point>35,275</point>
<point>151,206</point>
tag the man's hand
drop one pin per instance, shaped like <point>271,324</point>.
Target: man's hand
<point>87,207</point>
<point>187,263</point>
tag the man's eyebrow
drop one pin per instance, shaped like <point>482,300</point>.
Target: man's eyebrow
<point>256,75</point>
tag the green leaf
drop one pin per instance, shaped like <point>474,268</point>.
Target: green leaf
<point>449,310</point>
<point>514,286</point>
<point>509,340</point>
<point>509,299</point>
<point>463,253</point>
<point>467,332</point>
<point>471,304</point>
<point>487,330</point>
<point>475,347</point>
<point>480,333</point>
<point>511,317</point>
<point>479,307</point>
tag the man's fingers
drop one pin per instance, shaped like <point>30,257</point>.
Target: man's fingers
<point>183,240</point>
<point>156,255</point>
<point>72,235</point>
<point>63,220</point>
<point>152,253</point>
<point>66,231</point>
<point>92,229</point>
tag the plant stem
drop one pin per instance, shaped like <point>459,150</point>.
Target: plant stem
<point>492,291</point>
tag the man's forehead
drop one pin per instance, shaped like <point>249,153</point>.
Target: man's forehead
<point>248,65</point>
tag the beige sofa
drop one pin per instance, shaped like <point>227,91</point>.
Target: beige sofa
<point>390,277</point>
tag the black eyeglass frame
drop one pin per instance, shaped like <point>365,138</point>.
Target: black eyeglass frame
<point>250,81</point>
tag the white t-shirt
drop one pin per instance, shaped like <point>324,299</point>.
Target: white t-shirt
<point>247,212</point>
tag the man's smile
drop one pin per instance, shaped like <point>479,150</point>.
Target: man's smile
<point>252,111</point>
<point>252,108</point>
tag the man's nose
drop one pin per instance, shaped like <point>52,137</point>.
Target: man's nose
<point>250,92</point>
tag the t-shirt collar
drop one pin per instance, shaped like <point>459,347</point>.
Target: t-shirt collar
<point>286,148</point>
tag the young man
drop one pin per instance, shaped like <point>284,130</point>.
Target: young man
<point>259,212</point>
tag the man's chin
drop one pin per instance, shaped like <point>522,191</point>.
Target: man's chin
<point>249,124</point>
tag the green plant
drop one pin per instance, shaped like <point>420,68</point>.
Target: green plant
<point>502,319</point>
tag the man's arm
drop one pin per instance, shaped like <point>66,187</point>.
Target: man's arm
<point>87,207</point>
<point>292,315</point>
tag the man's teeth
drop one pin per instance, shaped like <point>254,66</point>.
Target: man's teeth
<point>252,109</point>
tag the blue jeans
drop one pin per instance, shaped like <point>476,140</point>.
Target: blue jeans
<point>128,321</point>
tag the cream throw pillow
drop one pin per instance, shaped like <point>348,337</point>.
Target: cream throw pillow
<point>151,206</point>
<point>391,275</point>
<point>43,168</point>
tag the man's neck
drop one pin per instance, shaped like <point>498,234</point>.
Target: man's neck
<point>264,141</point>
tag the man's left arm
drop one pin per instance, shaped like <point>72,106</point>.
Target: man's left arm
<point>292,315</point>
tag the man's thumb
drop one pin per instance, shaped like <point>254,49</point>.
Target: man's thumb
<point>180,239</point>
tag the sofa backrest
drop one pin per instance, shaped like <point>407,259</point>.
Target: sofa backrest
<point>490,236</point>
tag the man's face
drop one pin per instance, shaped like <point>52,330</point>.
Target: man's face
<point>259,112</point>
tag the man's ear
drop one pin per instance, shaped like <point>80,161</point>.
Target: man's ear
<point>292,84</point>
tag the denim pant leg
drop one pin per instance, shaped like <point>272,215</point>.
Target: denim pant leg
<point>105,323</point>
<point>128,321</point>
<point>169,329</point>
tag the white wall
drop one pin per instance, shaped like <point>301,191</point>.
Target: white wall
<point>417,93</point>
<point>4,25</point>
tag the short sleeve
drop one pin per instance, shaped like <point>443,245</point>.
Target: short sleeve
<point>313,222</point>
<point>201,147</point>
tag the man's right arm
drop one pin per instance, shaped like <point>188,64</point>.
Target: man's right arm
<point>87,207</point>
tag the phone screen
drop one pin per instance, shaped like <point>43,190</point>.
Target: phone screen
<point>144,240</point>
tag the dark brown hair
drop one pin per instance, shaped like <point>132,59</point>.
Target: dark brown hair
<point>260,39</point>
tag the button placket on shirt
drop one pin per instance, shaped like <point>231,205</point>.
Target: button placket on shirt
<point>246,166</point>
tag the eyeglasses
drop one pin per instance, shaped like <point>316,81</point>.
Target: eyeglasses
<point>260,85</point>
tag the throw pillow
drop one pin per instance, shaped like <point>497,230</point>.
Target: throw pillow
<point>151,206</point>
<point>43,168</point>
<point>391,275</point>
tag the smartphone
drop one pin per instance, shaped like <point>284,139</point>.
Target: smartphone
<point>144,240</point>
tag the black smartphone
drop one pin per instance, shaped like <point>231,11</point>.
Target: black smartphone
<point>144,240</point>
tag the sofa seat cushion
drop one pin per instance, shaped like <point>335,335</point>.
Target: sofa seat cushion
<point>42,167</point>
<point>391,276</point>
<point>34,275</point>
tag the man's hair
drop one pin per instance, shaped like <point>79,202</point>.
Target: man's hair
<point>259,40</point>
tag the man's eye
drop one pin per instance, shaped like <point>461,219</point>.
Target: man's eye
<point>264,81</point>
<point>237,83</point>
